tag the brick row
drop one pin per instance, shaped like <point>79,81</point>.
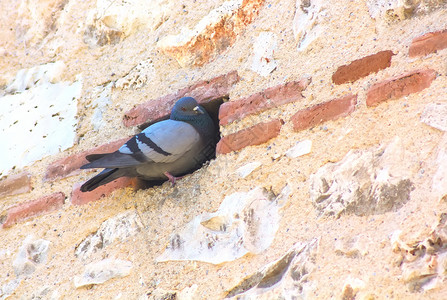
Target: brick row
<point>33,208</point>
<point>323,112</point>
<point>428,43</point>
<point>255,135</point>
<point>81,198</point>
<point>70,165</point>
<point>303,119</point>
<point>15,184</point>
<point>259,102</point>
<point>203,91</point>
<point>363,67</point>
<point>400,86</point>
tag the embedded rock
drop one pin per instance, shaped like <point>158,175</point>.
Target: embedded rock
<point>301,148</point>
<point>245,222</point>
<point>353,247</point>
<point>311,17</point>
<point>101,271</point>
<point>101,35</point>
<point>423,261</point>
<point>113,20</point>
<point>285,278</point>
<point>391,10</point>
<point>364,182</point>
<point>398,10</point>
<point>36,19</point>
<point>352,288</point>
<point>439,181</point>
<point>435,115</point>
<point>263,49</point>
<point>188,293</point>
<point>118,228</point>
<point>31,254</point>
<point>247,169</point>
<point>9,288</point>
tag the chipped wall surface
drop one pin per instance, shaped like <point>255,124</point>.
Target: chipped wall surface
<point>330,180</point>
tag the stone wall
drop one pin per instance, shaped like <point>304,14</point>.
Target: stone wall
<point>330,178</point>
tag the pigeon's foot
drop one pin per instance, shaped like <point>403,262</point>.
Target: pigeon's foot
<point>172,179</point>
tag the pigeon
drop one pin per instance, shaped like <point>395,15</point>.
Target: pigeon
<point>163,151</point>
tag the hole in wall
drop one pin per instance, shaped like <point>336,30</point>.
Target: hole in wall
<point>212,107</point>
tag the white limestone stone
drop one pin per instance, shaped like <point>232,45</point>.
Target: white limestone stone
<point>31,254</point>
<point>118,228</point>
<point>264,47</point>
<point>127,16</point>
<point>364,182</point>
<point>101,271</point>
<point>247,169</point>
<point>246,222</point>
<point>310,21</point>
<point>214,17</point>
<point>435,115</point>
<point>301,148</point>
<point>40,119</point>
<point>289,277</point>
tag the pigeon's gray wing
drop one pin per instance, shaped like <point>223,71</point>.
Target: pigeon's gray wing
<point>162,142</point>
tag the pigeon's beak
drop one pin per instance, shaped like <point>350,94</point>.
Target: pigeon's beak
<point>199,110</point>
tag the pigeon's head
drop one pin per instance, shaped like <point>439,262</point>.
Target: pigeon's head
<point>187,109</point>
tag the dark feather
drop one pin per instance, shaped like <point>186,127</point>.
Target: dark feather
<point>104,177</point>
<point>116,160</point>
<point>93,157</point>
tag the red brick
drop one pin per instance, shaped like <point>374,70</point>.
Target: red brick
<point>33,208</point>
<point>15,184</point>
<point>70,165</point>
<point>428,43</point>
<point>80,198</point>
<point>203,91</point>
<point>255,135</point>
<point>209,41</point>
<point>269,98</point>
<point>323,112</point>
<point>363,67</point>
<point>400,86</point>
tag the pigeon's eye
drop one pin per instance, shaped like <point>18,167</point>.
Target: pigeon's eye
<point>183,109</point>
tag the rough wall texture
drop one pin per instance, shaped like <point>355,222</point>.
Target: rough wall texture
<point>330,179</point>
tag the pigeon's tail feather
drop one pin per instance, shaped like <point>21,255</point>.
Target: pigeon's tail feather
<point>93,157</point>
<point>114,160</point>
<point>102,178</point>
